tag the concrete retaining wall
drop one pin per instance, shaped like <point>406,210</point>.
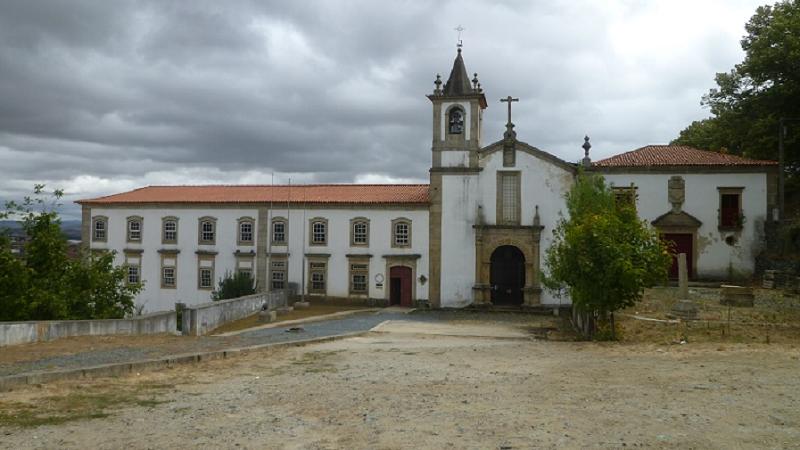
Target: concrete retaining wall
<point>12,333</point>
<point>202,319</point>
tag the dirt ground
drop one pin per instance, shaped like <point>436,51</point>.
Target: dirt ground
<point>482,386</point>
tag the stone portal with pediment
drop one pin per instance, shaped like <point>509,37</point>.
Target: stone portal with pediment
<point>489,238</point>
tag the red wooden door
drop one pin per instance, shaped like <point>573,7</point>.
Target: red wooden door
<point>679,243</point>
<point>400,285</point>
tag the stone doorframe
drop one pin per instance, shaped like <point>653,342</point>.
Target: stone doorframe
<point>487,239</point>
<point>409,261</point>
<point>680,223</point>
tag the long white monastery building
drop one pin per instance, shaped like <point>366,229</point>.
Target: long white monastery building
<point>475,235</point>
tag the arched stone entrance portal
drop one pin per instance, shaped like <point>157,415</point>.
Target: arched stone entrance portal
<point>507,276</point>
<point>494,265</point>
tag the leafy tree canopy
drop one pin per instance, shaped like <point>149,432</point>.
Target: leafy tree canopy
<point>602,253</point>
<point>750,99</point>
<point>45,284</point>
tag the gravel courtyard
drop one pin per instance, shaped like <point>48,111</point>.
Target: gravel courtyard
<point>479,385</point>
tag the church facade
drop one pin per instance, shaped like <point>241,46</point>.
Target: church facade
<point>475,235</point>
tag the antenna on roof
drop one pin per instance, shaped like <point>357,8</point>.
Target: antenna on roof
<point>459,29</point>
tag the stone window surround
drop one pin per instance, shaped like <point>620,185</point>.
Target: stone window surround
<point>358,259</point>
<point>174,266</point>
<point>353,222</point>
<point>283,270</point>
<point>245,258</point>
<point>500,204</point>
<point>738,191</point>
<point>241,221</point>
<point>104,221</point>
<point>200,222</point>
<point>448,115</point>
<point>313,260</point>
<point>631,190</point>
<point>311,222</point>
<point>201,258</point>
<point>285,223</point>
<point>395,222</point>
<point>128,222</point>
<point>129,255</point>
<point>164,221</point>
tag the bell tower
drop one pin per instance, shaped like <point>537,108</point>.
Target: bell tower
<point>457,116</point>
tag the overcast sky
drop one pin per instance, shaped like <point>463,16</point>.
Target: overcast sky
<point>99,97</point>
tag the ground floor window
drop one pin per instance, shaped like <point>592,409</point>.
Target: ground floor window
<point>133,262</point>
<point>278,275</point>
<point>206,278</point>
<point>317,275</point>
<point>133,274</point>
<point>168,280</point>
<point>205,271</point>
<point>359,274</point>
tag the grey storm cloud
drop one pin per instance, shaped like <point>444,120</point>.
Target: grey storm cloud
<point>98,96</point>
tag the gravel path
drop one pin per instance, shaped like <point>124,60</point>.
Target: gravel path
<point>349,324</point>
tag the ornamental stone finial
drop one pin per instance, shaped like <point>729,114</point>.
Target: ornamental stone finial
<point>438,83</point>
<point>586,162</point>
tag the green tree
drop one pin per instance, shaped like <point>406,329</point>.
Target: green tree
<point>602,254</point>
<point>234,286</point>
<point>45,284</point>
<point>14,282</point>
<point>750,99</point>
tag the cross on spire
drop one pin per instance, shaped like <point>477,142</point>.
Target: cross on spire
<point>508,100</point>
<point>459,29</point>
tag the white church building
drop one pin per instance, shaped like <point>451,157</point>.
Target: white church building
<point>475,235</point>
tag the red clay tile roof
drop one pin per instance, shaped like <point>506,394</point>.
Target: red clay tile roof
<point>310,193</point>
<point>677,155</point>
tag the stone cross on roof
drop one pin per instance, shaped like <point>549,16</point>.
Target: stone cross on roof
<point>509,99</point>
<point>510,133</point>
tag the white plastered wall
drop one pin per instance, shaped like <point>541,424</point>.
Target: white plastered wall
<point>715,257</point>
<point>380,234</point>
<point>542,183</point>
<point>155,298</point>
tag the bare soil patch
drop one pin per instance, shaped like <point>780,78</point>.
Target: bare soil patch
<point>404,390</point>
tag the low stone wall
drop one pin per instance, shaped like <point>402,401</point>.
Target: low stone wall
<point>12,333</point>
<point>202,319</point>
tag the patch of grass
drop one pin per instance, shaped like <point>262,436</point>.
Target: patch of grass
<point>93,402</point>
<point>775,318</point>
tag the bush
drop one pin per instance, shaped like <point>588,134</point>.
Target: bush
<point>234,286</point>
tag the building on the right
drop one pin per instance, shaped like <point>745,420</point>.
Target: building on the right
<point>711,206</point>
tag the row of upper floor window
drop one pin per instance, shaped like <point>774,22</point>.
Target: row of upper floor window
<point>245,231</point>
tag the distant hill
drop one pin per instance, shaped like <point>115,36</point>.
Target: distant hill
<point>71,228</point>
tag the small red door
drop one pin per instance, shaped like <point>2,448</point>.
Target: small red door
<point>679,243</point>
<point>400,286</point>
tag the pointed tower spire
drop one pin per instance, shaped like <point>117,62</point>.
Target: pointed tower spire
<point>458,83</point>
